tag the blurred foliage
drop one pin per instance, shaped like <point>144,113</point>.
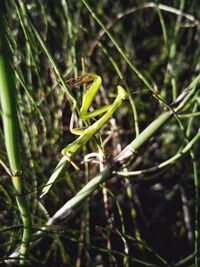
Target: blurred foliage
<point>77,45</point>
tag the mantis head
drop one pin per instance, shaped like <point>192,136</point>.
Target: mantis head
<point>121,92</point>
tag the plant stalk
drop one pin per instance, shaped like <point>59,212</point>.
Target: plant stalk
<point>11,133</point>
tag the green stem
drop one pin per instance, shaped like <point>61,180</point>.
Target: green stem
<point>10,125</point>
<point>120,50</point>
<point>165,163</point>
<point>46,51</point>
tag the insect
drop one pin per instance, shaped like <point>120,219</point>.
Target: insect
<point>71,150</point>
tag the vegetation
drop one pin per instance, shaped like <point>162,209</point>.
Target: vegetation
<point>125,75</point>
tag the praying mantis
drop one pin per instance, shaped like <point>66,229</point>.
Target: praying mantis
<point>71,150</point>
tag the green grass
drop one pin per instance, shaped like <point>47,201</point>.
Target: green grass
<point>135,199</point>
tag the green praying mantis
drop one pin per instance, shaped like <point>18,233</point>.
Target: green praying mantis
<point>71,150</point>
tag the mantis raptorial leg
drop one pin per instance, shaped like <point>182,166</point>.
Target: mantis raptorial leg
<point>71,150</point>
<point>88,97</point>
